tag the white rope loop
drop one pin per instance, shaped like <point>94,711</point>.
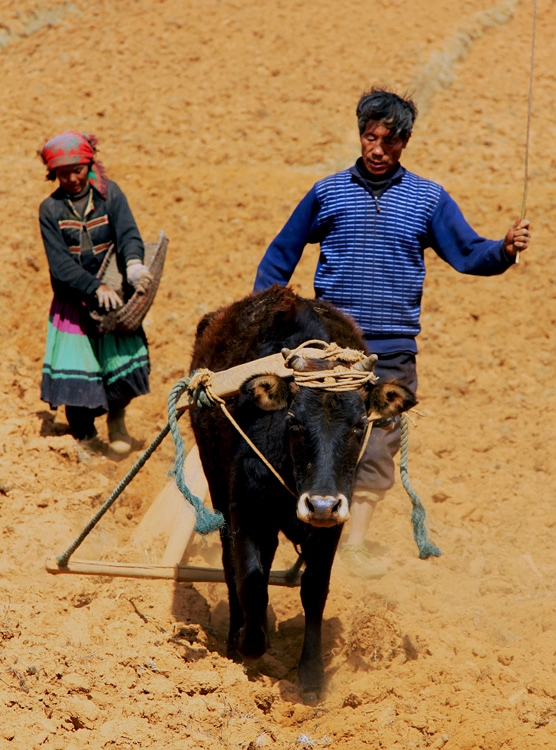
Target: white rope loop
<point>342,377</point>
<point>330,351</point>
<point>337,380</point>
<point>202,378</point>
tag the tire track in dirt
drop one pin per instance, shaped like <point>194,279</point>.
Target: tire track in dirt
<point>24,24</point>
<point>438,73</point>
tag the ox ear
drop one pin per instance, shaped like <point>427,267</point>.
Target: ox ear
<point>391,398</point>
<point>268,392</point>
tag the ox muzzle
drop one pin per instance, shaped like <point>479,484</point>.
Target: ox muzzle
<point>323,510</point>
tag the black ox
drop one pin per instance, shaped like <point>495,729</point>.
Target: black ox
<point>313,439</point>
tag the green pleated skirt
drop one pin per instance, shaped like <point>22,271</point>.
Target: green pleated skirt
<point>84,368</point>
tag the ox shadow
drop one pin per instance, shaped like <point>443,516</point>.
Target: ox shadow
<point>194,633</point>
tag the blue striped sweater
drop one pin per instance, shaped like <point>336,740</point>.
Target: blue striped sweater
<point>371,262</point>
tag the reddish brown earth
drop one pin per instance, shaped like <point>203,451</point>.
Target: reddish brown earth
<point>215,118</point>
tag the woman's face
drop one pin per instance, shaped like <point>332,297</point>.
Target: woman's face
<point>73,178</point>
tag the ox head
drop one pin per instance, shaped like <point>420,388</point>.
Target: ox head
<point>325,430</point>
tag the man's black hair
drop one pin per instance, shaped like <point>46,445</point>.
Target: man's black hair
<point>379,105</point>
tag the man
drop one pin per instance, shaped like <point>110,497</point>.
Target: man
<point>373,222</point>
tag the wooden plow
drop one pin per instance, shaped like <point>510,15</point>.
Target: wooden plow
<point>170,513</point>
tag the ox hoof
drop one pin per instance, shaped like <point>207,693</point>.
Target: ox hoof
<point>310,697</point>
<point>252,645</point>
<point>233,654</point>
<point>311,683</point>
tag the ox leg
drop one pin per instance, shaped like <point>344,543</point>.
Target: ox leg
<point>252,570</point>
<point>219,491</point>
<point>236,612</point>
<point>318,553</point>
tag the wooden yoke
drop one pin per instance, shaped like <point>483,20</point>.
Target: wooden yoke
<point>228,382</point>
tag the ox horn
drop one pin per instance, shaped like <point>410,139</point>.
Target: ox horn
<point>367,364</point>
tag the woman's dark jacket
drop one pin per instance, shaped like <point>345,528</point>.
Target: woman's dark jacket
<point>76,246</point>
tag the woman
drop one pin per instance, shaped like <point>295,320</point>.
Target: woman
<point>89,372</point>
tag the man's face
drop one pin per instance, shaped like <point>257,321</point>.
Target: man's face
<point>380,149</point>
<point>73,178</point>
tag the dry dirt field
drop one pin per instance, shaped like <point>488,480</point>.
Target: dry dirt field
<point>216,117</point>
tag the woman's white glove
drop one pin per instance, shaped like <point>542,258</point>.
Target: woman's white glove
<point>108,298</point>
<point>138,275</point>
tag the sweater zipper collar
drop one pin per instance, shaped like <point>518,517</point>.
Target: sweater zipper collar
<point>366,184</point>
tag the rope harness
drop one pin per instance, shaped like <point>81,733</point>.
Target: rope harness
<point>202,379</point>
<point>342,377</point>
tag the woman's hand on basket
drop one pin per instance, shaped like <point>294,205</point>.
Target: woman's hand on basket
<point>108,298</point>
<point>138,275</point>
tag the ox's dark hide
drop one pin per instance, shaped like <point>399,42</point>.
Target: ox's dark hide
<point>312,438</point>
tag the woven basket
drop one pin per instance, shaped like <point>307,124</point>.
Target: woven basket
<point>128,318</point>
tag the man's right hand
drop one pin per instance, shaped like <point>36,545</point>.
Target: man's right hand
<point>108,298</point>
<point>517,237</point>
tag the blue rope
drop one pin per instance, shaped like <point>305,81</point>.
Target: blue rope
<point>207,520</point>
<point>65,556</point>
<point>426,548</point>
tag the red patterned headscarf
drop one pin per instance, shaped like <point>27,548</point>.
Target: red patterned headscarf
<point>74,148</point>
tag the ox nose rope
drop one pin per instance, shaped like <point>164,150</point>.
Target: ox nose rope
<point>202,378</point>
<point>342,377</point>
